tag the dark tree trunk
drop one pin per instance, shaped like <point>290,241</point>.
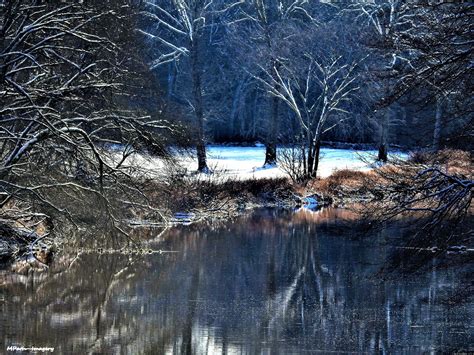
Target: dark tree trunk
<point>309,171</point>
<point>254,113</point>
<point>313,160</point>
<point>316,158</point>
<point>234,113</point>
<point>198,107</point>
<point>271,140</point>
<point>383,153</point>
<point>383,144</point>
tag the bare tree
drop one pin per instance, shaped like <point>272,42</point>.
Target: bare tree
<point>439,195</point>
<point>388,20</point>
<point>291,161</point>
<point>438,47</point>
<point>265,17</point>
<point>178,26</point>
<point>316,95</point>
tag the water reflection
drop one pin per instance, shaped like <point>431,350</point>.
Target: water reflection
<point>271,282</point>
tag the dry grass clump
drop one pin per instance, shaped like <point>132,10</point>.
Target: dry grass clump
<point>347,182</point>
<point>342,183</point>
<point>350,185</point>
<point>436,187</point>
<point>453,160</point>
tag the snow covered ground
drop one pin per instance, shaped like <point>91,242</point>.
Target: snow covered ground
<point>246,162</point>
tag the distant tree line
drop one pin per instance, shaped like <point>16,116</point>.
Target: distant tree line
<point>247,70</point>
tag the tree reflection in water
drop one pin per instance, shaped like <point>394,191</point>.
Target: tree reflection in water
<point>273,281</point>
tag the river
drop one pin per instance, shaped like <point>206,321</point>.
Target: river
<point>270,282</point>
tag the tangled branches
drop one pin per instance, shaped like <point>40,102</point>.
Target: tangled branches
<point>67,91</point>
<point>439,195</point>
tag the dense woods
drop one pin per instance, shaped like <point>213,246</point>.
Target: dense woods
<point>413,68</point>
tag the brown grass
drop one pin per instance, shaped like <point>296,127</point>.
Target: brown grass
<point>341,183</point>
<point>350,183</point>
<point>455,161</point>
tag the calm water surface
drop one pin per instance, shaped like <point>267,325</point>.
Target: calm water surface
<point>274,282</point>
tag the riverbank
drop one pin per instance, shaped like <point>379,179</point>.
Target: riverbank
<point>28,241</point>
<point>185,198</point>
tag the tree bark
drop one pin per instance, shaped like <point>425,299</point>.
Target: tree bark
<point>234,114</point>
<point>383,144</point>
<point>271,139</point>
<point>438,124</point>
<point>254,114</point>
<point>309,171</point>
<point>316,158</point>
<point>198,107</point>
<point>313,160</point>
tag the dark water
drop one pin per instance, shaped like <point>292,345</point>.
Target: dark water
<point>273,282</point>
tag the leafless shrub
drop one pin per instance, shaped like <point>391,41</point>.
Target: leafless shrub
<point>292,161</point>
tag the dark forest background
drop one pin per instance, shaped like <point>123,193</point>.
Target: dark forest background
<point>417,68</point>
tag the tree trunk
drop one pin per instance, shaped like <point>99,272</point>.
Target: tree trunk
<point>383,144</point>
<point>316,158</point>
<point>234,113</point>
<point>271,139</point>
<point>438,124</point>
<point>198,108</point>
<point>313,160</point>
<point>254,113</point>
<point>309,171</point>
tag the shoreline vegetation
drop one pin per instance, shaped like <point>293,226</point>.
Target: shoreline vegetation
<point>29,237</point>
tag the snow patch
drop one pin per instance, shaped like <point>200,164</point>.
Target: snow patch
<point>246,162</point>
